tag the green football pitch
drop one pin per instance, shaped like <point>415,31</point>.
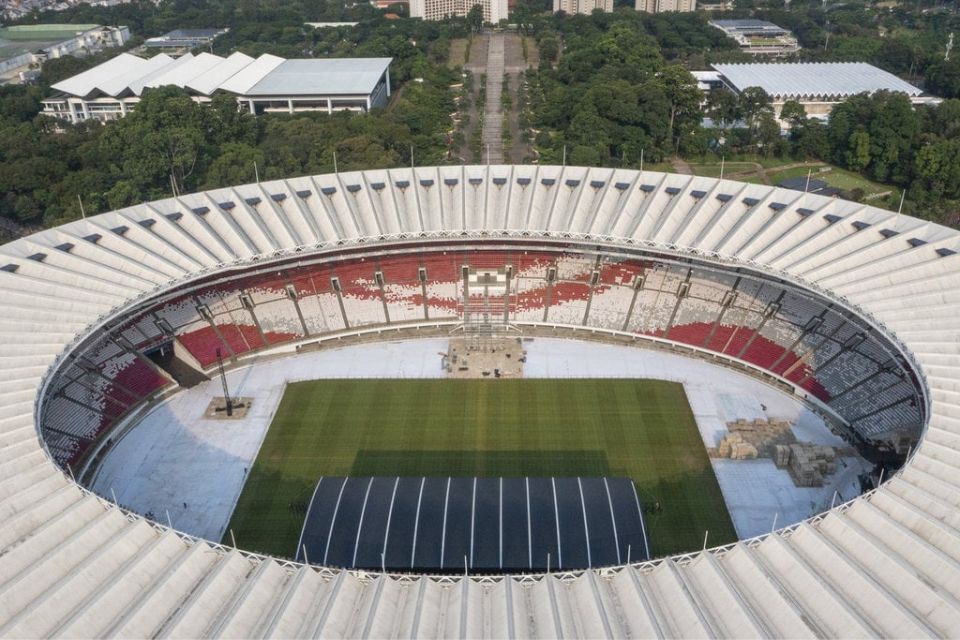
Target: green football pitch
<point>641,429</point>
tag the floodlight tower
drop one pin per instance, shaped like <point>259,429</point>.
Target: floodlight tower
<point>223,379</point>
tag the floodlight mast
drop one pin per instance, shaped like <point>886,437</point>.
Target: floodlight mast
<point>223,379</point>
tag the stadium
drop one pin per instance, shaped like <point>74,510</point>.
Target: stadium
<point>126,335</point>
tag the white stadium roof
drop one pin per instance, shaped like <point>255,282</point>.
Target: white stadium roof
<point>884,565</point>
<point>240,74</point>
<point>814,79</point>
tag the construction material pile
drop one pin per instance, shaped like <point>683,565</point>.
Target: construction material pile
<point>749,439</point>
<point>807,463</point>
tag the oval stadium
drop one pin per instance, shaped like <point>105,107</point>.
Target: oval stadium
<point>482,401</point>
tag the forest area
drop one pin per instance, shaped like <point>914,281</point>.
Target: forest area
<point>608,90</point>
<point>615,90</point>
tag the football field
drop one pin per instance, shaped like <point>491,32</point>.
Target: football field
<point>641,429</point>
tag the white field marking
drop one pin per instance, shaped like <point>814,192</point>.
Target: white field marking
<point>586,528</point>
<point>333,520</point>
<point>529,539</point>
<point>386,534</point>
<point>416,524</point>
<point>613,518</point>
<point>643,529</point>
<point>443,538</point>
<point>556,517</point>
<point>306,518</point>
<point>473,518</point>
<point>500,518</point>
<point>363,510</point>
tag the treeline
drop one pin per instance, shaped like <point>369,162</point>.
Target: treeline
<point>611,95</point>
<point>918,149</point>
<point>908,39</point>
<point>883,137</point>
<point>170,141</point>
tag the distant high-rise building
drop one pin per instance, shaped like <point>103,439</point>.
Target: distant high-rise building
<point>582,6</point>
<point>662,6</point>
<point>493,10</point>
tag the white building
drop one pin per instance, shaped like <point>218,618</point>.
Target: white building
<point>818,86</point>
<point>663,6</point>
<point>758,37</point>
<point>493,10</point>
<point>582,6</point>
<point>75,39</point>
<point>185,39</point>
<point>261,85</point>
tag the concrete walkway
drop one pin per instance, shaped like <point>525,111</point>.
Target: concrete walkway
<point>492,141</point>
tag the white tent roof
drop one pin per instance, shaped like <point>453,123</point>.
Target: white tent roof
<point>185,69</point>
<point>210,80</point>
<point>795,80</point>
<point>251,74</point>
<point>103,75</point>
<point>239,74</point>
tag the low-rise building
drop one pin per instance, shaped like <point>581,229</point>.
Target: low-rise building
<point>758,37</point>
<point>268,84</point>
<point>25,46</point>
<point>185,39</point>
<point>818,86</point>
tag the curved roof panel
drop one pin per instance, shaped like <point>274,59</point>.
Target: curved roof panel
<point>886,564</point>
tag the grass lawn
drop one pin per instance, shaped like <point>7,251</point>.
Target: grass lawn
<point>642,429</point>
<point>712,170</point>
<point>836,177</point>
<point>458,53</point>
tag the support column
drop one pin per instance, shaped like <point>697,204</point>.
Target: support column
<point>378,277</point>
<point>292,295</point>
<point>335,284</point>
<point>551,276</point>
<point>422,277</point>
<point>637,288</point>
<point>247,302</point>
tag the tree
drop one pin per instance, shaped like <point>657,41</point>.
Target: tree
<point>943,78</point>
<point>858,152</point>
<point>724,108</point>
<point>682,94</point>
<point>794,114</point>
<point>234,165</point>
<point>938,169</point>
<point>754,103</point>
<point>549,48</point>
<point>475,18</point>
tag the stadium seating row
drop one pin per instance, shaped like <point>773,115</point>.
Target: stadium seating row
<point>791,334</point>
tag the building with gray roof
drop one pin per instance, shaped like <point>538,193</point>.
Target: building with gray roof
<point>818,86</point>
<point>759,37</point>
<point>264,84</point>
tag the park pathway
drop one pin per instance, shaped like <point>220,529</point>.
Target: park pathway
<point>492,141</point>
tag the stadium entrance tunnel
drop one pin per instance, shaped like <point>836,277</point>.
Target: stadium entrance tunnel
<point>830,355</point>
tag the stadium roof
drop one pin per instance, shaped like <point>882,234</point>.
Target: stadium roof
<point>886,564</point>
<point>746,25</point>
<point>814,79</point>
<point>205,73</point>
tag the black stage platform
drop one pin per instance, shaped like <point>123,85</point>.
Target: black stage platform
<point>484,525</point>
